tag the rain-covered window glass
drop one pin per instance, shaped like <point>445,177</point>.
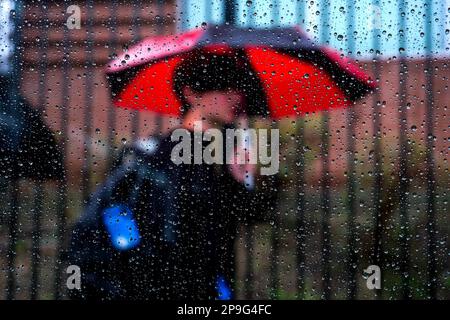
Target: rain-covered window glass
<point>224,150</point>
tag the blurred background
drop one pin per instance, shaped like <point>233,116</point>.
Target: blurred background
<point>360,186</point>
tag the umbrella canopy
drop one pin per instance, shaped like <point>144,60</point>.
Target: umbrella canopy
<point>295,75</point>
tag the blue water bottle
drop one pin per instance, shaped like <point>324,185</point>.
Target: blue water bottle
<point>121,227</point>
<point>223,289</point>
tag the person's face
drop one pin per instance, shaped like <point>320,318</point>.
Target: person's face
<point>217,106</point>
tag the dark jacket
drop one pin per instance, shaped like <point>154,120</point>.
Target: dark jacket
<point>186,216</point>
<point>28,148</point>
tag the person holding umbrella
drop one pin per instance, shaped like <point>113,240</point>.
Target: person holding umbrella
<point>157,230</point>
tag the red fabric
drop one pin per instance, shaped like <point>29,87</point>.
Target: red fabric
<point>294,87</point>
<point>349,65</point>
<point>155,47</point>
<point>152,90</point>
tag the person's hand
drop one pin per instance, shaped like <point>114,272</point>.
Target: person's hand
<point>243,173</point>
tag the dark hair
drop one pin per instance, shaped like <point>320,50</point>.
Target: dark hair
<point>204,72</point>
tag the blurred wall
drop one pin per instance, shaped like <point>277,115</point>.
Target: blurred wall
<point>43,50</point>
<point>43,78</point>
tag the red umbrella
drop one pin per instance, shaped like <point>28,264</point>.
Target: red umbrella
<point>296,75</point>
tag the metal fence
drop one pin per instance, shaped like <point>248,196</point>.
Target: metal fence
<point>351,192</point>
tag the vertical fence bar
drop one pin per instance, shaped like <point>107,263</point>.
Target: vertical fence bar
<point>160,30</point>
<point>325,204</point>
<point>88,98</point>
<point>36,239</point>
<point>111,120</point>
<point>325,179</point>
<point>62,183</point>
<point>275,240</point>
<point>300,228</point>
<point>230,11</point>
<point>377,254</point>
<point>16,17</point>
<point>275,231</point>
<point>352,263</point>
<point>136,29</point>
<point>248,229</point>
<point>43,49</point>
<point>250,245</point>
<point>430,172</point>
<point>4,219</point>
<point>12,244</point>
<point>38,194</point>
<point>403,158</point>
